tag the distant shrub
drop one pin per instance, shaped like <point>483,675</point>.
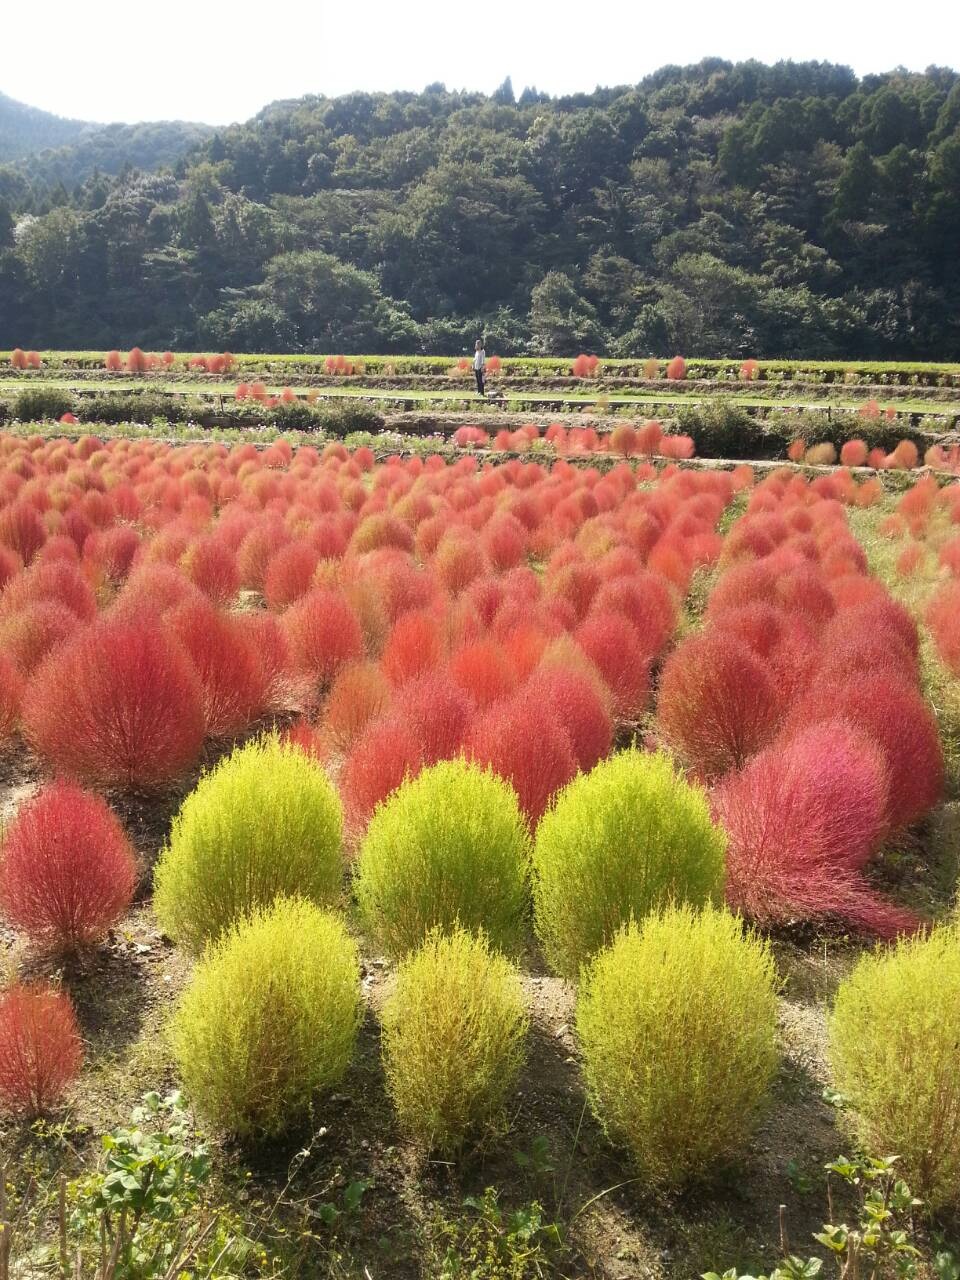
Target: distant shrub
<point>677,368</point>
<point>854,453</point>
<point>67,869</point>
<point>677,1022</point>
<point>523,741</point>
<point>415,646</point>
<point>118,705</point>
<point>449,847</point>
<point>212,567</point>
<point>893,1048</point>
<point>618,843</point>
<point>41,404</point>
<point>718,702</point>
<point>265,821</point>
<point>41,1052</point>
<point>137,361</point>
<point>270,1018</point>
<point>454,1027</point>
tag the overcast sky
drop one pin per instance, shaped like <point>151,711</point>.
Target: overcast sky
<point>218,63</point>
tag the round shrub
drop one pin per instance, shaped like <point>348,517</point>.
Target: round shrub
<point>677,1022</point>
<point>454,1028</point>
<point>449,847</point>
<point>270,1018</point>
<point>266,821</point>
<point>118,705</point>
<point>67,869</point>
<point>618,843</point>
<point>41,1052</point>
<point>893,1047</point>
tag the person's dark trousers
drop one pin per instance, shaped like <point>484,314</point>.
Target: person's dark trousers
<point>478,374</point>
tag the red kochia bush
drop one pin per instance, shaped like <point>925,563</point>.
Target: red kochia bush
<point>802,819</point>
<point>483,672</point>
<point>27,636</point>
<point>578,706</point>
<point>22,530</point>
<point>11,691</point>
<point>415,645</point>
<point>324,634</point>
<point>384,754</point>
<point>290,574</point>
<point>359,693</point>
<point>718,703</point>
<point>118,705</point>
<point>897,719</point>
<point>524,741</point>
<point>40,1048</point>
<point>613,645</point>
<point>67,870</point>
<point>436,711</point>
<point>222,651</point>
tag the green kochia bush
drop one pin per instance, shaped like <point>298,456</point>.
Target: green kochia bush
<point>454,1028</point>
<point>893,1045</point>
<point>449,847</point>
<point>619,842</point>
<point>266,821</point>
<point>677,1022</point>
<point>270,1018</point>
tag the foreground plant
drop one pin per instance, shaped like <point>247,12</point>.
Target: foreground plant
<point>677,1024</point>
<point>454,1028</point>
<point>880,1246</point>
<point>893,1047</point>
<point>270,1018</point>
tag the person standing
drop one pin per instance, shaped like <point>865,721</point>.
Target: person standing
<point>479,364</point>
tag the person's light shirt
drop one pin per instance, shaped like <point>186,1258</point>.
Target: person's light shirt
<point>479,360</point>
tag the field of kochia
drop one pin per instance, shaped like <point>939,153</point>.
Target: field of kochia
<point>483,866</point>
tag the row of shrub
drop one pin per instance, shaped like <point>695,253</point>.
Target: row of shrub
<point>45,404</point>
<point>676,1022</point>
<point>815,371</point>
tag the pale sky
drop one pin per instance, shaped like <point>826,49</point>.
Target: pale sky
<point>219,63</point>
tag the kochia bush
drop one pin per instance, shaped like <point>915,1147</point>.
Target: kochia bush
<point>269,1019</point>
<point>803,818</point>
<point>118,705</point>
<point>618,843</point>
<point>67,869</point>
<point>893,1047</point>
<point>454,1027</point>
<point>266,821</point>
<point>450,847</point>
<point>718,703</point>
<point>677,1022</point>
<point>40,1048</point>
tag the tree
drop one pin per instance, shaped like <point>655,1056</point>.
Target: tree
<point>561,320</point>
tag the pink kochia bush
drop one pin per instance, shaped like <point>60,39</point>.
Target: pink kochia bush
<point>67,870</point>
<point>40,1049</point>
<point>802,819</point>
<point>120,705</point>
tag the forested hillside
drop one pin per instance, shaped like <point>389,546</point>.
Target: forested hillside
<point>718,209</point>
